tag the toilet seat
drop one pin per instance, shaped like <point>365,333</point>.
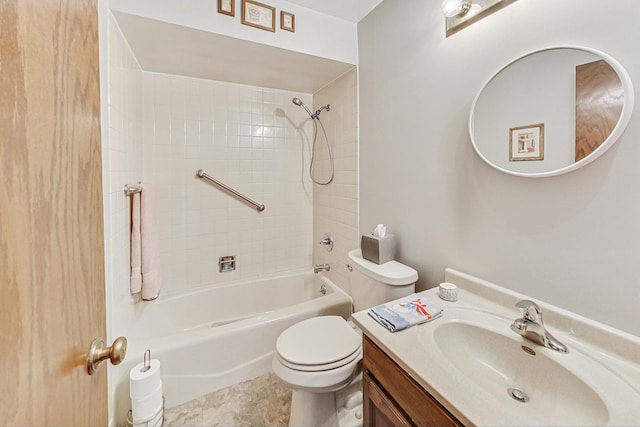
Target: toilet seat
<point>318,381</point>
<point>318,344</point>
<point>325,367</point>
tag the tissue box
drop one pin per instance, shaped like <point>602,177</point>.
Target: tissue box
<point>378,249</point>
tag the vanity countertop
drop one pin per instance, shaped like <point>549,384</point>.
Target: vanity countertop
<point>596,383</point>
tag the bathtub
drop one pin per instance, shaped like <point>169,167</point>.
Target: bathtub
<point>215,337</point>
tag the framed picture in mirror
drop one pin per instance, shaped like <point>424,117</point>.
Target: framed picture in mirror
<point>526,142</point>
<point>227,7</point>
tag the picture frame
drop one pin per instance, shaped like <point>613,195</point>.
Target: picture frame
<point>287,21</point>
<point>259,15</point>
<point>227,7</point>
<point>526,142</point>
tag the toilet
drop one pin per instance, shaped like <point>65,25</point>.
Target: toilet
<point>320,358</point>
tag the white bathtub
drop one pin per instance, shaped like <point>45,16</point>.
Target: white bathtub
<point>216,337</point>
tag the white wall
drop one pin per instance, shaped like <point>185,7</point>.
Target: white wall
<point>315,33</point>
<point>571,240</point>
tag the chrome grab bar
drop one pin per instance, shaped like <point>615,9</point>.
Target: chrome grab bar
<point>202,174</point>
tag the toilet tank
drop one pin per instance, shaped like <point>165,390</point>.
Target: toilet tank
<point>373,284</point>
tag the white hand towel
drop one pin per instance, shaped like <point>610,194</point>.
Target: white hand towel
<point>405,312</point>
<point>151,277</point>
<point>145,261</point>
<point>136,250</point>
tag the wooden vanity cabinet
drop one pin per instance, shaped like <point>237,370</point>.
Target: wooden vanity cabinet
<point>393,398</point>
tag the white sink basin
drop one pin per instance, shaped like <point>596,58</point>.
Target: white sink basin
<point>485,374</point>
<point>531,380</point>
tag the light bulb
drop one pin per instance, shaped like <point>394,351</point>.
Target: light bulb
<point>452,8</point>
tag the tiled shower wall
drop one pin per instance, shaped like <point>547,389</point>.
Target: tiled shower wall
<point>162,128</point>
<point>336,205</point>
<point>122,164</point>
<point>250,138</point>
<point>123,160</point>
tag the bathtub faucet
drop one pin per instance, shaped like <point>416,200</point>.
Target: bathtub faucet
<point>321,267</point>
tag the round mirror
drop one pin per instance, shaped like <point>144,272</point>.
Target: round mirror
<point>551,111</point>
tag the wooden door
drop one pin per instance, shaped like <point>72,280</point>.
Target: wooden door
<point>52,300</point>
<point>599,101</point>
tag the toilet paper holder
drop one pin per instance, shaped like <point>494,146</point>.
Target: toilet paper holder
<point>147,361</point>
<point>147,421</point>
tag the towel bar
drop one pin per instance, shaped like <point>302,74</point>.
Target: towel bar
<point>131,189</point>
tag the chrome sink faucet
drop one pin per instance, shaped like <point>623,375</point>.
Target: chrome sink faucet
<point>531,327</point>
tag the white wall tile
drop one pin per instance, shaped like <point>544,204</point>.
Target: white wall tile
<point>336,205</point>
<point>229,131</point>
<point>125,121</point>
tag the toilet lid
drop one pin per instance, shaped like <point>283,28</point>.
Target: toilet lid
<point>355,356</point>
<point>318,341</point>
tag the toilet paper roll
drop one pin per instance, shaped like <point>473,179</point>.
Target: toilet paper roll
<point>143,383</point>
<point>147,407</point>
<point>158,419</point>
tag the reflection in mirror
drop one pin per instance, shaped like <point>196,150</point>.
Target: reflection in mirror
<point>551,111</point>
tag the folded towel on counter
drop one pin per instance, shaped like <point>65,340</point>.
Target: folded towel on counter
<point>404,312</point>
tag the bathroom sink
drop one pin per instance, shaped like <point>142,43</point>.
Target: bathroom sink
<point>523,375</point>
<point>486,374</point>
<point>542,386</point>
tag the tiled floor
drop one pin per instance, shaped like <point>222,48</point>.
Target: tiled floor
<point>263,401</point>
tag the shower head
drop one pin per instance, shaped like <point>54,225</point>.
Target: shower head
<point>315,115</point>
<point>299,103</point>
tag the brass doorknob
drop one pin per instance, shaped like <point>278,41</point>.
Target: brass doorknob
<point>98,352</point>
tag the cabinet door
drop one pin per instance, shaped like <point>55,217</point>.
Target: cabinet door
<point>415,405</point>
<point>379,409</point>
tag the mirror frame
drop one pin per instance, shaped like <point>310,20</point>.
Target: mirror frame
<point>625,115</point>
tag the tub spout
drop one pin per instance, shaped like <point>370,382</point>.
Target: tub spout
<point>321,267</point>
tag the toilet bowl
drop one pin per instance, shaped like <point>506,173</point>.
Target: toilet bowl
<point>318,354</point>
<point>322,356</point>
<point>317,358</point>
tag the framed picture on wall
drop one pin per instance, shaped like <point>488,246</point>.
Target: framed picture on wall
<point>287,21</point>
<point>259,15</point>
<point>227,7</point>
<point>526,142</point>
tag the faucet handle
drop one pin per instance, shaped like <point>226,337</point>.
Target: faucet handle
<point>327,242</point>
<point>532,312</point>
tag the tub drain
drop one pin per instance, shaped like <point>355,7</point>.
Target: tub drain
<point>518,395</point>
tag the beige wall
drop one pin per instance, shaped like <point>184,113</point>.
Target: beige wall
<point>335,208</point>
<point>571,240</point>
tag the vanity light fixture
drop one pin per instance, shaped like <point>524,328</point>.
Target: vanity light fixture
<point>460,14</point>
<point>452,8</point>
